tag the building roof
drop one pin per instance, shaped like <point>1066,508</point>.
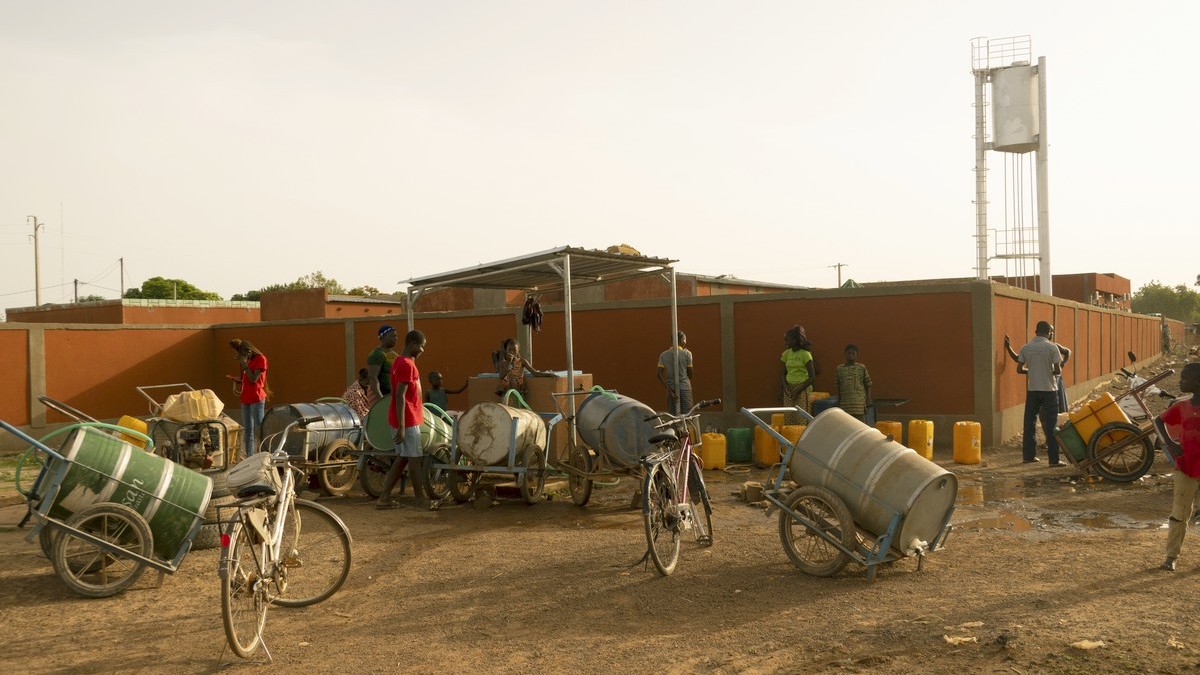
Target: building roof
<point>546,270</point>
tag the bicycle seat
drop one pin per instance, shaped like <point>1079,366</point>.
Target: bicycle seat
<point>256,490</point>
<point>663,437</point>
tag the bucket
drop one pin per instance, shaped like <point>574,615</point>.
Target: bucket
<point>103,469</point>
<point>486,433</point>
<point>766,448</point>
<point>712,451</point>
<point>894,429</point>
<point>920,437</point>
<point>1071,441</point>
<point>822,404</point>
<point>135,424</point>
<point>876,478</point>
<point>338,421</point>
<point>616,427</point>
<point>739,445</point>
<point>967,437</point>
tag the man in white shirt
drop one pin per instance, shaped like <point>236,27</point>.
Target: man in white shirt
<point>1041,362</point>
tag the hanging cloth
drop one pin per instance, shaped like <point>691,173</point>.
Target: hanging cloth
<point>532,315</point>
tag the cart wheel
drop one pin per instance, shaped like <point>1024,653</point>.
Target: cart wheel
<point>373,474</point>
<point>533,479</point>
<point>46,537</point>
<point>581,488</point>
<point>436,477</point>
<point>209,535</point>
<point>1130,456</point>
<point>806,545</point>
<point>100,571</point>
<point>337,480</point>
<point>461,484</point>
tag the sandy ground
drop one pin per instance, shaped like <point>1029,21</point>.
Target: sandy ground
<point>1040,564</point>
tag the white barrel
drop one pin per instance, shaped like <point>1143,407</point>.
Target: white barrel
<point>616,426</point>
<point>486,433</point>
<point>876,478</point>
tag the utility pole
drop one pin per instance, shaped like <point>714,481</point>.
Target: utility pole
<point>37,271</point>
<point>839,267</point>
<point>77,291</point>
<point>122,261</point>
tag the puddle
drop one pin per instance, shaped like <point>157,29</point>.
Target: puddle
<point>1003,520</point>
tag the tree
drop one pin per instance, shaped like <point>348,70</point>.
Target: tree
<point>91,298</point>
<point>364,291</point>
<point>158,288</point>
<point>1180,302</point>
<point>314,280</point>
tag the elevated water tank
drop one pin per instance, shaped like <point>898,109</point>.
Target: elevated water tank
<point>1015,109</point>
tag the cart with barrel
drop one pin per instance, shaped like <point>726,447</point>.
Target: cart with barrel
<point>327,451</point>
<point>859,496</point>
<point>104,510</point>
<point>375,455</point>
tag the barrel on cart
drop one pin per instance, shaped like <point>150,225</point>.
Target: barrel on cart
<point>378,452</point>
<point>325,448</point>
<point>493,438</point>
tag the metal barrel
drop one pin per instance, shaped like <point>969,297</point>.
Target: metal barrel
<point>876,478</point>
<point>616,426</point>
<point>338,421</point>
<point>485,433</point>
<point>435,429</point>
<point>102,468</point>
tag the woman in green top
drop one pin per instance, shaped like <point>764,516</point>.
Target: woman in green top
<point>799,371</point>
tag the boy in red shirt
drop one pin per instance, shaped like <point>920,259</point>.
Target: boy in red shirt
<point>404,417</point>
<point>1186,453</point>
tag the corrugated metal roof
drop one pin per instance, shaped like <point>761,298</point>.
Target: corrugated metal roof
<point>541,272</point>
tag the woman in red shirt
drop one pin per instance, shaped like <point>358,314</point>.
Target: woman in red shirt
<point>253,390</point>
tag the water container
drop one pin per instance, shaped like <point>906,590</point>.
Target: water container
<point>616,427</point>
<point>967,437</point>
<point>712,451</point>
<point>891,428</point>
<point>1107,410</point>
<point>777,419</point>
<point>486,433</point>
<point>822,404</point>
<point>1085,422</point>
<point>436,428</point>
<point>135,424</point>
<point>920,437</point>
<point>792,432</point>
<point>876,478</point>
<point>1070,440</point>
<point>814,396</point>
<point>739,445</point>
<point>105,469</point>
<point>766,448</point>
<point>338,421</point>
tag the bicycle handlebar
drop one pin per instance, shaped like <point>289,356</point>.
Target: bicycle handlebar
<point>676,418</point>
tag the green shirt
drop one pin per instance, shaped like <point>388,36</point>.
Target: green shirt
<point>796,362</point>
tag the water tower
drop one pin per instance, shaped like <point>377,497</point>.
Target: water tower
<point>1014,91</point>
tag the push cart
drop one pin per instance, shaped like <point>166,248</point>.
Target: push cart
<point>858,497</point>
<point>211,444</point>
<point>376,453</point>
<point>1118,451</point>
<point>326,451</point>
<point>105,510</point>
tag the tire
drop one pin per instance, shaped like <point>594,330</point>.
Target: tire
<point>373,474</point>
<point>244,596</point>
<point>220,483</point>
<point>315,555</point>
<point>533,479</point>
<point>461,484</point>
<point>338,480</point>
<point>807,550</point>
<point>661,524</point>
<point>46,538</point>
<point>96,572</point>
<point>1127,464</point>
<point>581,488</point>
<point>209,535</point>
<point>701,506</point>
<point>437,478</point>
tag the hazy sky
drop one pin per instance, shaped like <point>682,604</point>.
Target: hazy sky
<point>239,144</point>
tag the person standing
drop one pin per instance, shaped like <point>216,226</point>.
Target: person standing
<point>675,373</point>
<point>251,387</point>
<point>380,360</point>
<point>853,385</point>
<point>405,416</point>
<point>1041,362</point>
<point>1186,454</point>
<point>1063,404</point>
<point>360,394</point>
<point>799,371</point>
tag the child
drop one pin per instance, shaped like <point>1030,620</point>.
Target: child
<point>360,395</point>
<point>436,394</point>
<point>1186,453</point>
<point>853,385</point>
<point>798,372</point>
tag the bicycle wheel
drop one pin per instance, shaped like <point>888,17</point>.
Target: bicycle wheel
<point>701,506</point>
<point>436,478</point>
<point>244,598</point>
<point>1128,463</point>
<point>96,571</point>
<point>314,555</point>
<point>533,479</point>
<point>581,488</point>
<point>374,474</point>
<point>659,517</point>
<point>804,544</point>
<point>337,480</point>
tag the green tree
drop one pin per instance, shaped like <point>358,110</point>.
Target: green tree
<point>1180,302</point>
<point>364,291</point>
<point>91,298</point>
<point>158,288</point>
<point>314,280</point>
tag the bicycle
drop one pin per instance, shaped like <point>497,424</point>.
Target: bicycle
<point>670,493</point>
<point>277,549</point>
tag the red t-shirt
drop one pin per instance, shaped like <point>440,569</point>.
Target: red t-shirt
<point>1187,417</point>
<point>404,371</point>
<point>253,392</point>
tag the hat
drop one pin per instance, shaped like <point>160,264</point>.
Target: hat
<point>384,330</point>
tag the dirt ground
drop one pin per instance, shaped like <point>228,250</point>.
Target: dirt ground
<point>1041,565</point>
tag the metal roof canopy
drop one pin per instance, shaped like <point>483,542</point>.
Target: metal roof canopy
<point>562,268</point>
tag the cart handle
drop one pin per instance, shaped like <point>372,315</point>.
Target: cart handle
<point>155,406</point>
<point>785,409</point>
<point>35,443</point>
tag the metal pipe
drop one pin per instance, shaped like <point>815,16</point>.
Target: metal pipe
<point>1043,194</point>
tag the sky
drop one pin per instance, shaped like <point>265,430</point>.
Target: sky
<point>240,144</point>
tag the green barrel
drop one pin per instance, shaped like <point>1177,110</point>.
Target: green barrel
<point>436,429</point>
<point>102,468</point>
<point>739,444</point>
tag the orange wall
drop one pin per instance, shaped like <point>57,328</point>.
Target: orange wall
<point>84,313</point>
<point>305,360</point>
<point>136,314</point>
<point>14,395</point>
<point>352,310</point>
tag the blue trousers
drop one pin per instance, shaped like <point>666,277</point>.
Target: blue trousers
<point>1041,405</point>
<point>252,417</point>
